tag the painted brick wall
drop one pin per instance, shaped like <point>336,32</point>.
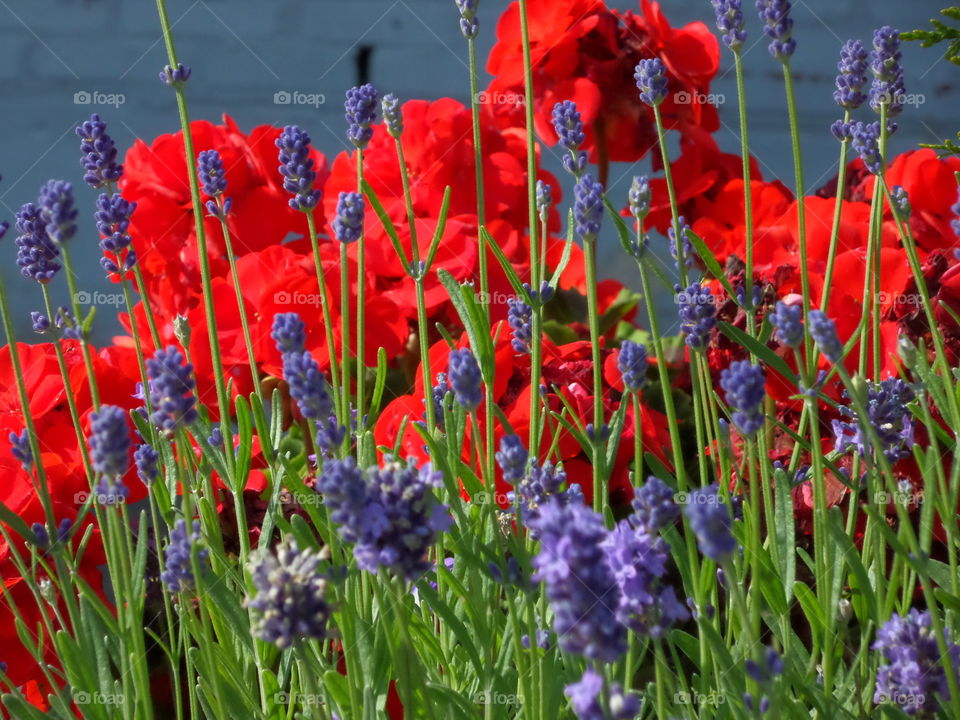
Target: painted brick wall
<point>54,54</point>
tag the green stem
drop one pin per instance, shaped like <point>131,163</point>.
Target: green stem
<point>600,498</point>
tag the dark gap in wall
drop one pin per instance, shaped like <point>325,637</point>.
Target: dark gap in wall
<point>364,53</point>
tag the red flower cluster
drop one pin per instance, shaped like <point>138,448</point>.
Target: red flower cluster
<point>583,51</point>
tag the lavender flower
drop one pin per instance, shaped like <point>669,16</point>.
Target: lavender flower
<point>744,385</point>
<point>852,76</point>
<point>520,318</point>
<point>569,128</point>
<point>20,448</point>
<point>288,332</point>
<point>392,114</point>
<point>178,575</point>
<point>113,220</point>
<point>591,703</point>
<point>689,254</point>
<point>710,521</point>
<point>914,674</point>
<point>109,441</point>
<point>512,458</point>
<point>887,413</point>
<point>638,560</point>
<point>171,390</point>
<point>775,14</point>
<point>544,200</point>
<point>469,25</point>
<point>772,666</point>
<point>437,397</point>
<point>730,23</point>
<point>866,141</point>
<point>361,110</point>
<point>41,539</point>
<point>580,586</point>
<point>348,225</point>
<point>651,77</point>
<point>698,313</point>
<point>308,386</point>
<point>290,601</point>
<point>955,222</point>
<point>632,364</point>
<point>654,506</point>
<point>587,207</point>
<point>57,210</point>
<point>146,458</point>
<point>99,154</point>
<point>901,202</point>
<point>638,197</point>
<point>330,435</point>
<point>885,62</point>
<point>36,253</point>
<point>214,180</point>
<point>175,76</point>
<point>388,513</point>
<point>297,168</point>
<point>824,333</point>
<point>788,320</point>
<point>464,377</point>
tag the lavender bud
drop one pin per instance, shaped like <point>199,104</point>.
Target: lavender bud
<point>698,313</point>
<point>900,201</point>
<point>171,390</point>
<point>109,441</point>
<point>710,521</point>
<point>392,115</point>
<point>824,333</point>
<point>290,601</point>
<point>544,200</point>
<point>745,384</point>
<point>21,450</point>
<point>348,225</point>
<point>36,252</point>
<point>639,197</point>
<point>297,168</point>
<point>178,575</point>
<point>99,154</point>
<point>512,457</point>
<point>866,141</point>
<point>288,332</point>
<point>778,25</point>
<point>730,23</point>
<point>632,364</point>
<point>175,76</point>
<point>361,110</point>
<point>588,207</point>
<point>520,318</point>
<point>465,379</point>
<point>146,458</point>
<point>469,25</point>
<point>651,77</point>
<point>57,210</point>
<point>885,62</point>
<point>852,77</point>
<point>113,220</point>
<point>788,320</point>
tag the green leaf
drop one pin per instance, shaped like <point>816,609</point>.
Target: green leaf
<point>811,608</point>
<point>387,223</point>
<point>757,348</point>
<point>441,227</point>
<point>785,533</point>
<point>713,267</point>
<point>515,282</point>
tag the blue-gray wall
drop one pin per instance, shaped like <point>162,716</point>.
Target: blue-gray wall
<point>243,52</point>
